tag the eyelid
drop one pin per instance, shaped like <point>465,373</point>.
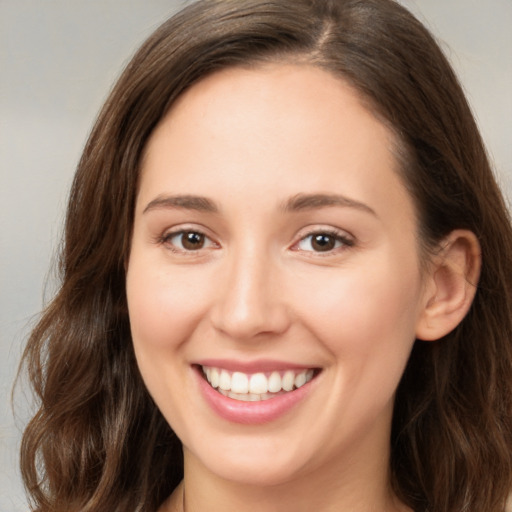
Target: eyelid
<point>347,240</point>
<point>168,234</point>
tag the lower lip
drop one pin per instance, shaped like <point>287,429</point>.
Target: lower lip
<point>251,413</point>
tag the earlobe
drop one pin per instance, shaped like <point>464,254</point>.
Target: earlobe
<point>451,285</point>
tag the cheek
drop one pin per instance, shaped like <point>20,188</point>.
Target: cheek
<point>164,307</point>
<point>365,319</point>
<point>366,314</point>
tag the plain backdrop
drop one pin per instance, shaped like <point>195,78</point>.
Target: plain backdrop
<point>58,60</point>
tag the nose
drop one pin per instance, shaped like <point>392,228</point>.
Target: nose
<point>250,300</point>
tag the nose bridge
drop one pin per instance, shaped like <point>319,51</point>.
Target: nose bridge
<point>249,300</point>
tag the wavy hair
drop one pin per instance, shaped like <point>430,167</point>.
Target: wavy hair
<point>97,441</point>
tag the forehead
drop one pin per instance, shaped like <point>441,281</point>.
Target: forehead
<point>271,129</point>
<point>284,96</point>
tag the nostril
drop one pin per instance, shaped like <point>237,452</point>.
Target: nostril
<point>245,323</point>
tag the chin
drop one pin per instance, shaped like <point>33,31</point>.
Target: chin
<point>267,476</point>
<point>255,467</point>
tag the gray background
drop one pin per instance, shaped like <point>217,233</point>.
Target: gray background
<point>58,59</point>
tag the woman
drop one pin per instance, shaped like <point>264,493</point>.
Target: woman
<point>285,278</point>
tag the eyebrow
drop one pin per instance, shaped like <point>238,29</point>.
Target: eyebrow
<point>186,202</point>
<point>296,203</point>
<point>313,201</point>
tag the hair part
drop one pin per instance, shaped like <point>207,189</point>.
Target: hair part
<point>452,426</point>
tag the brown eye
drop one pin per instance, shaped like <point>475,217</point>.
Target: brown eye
<point>322,242</point>
<point>187,241</point>
<point>192,241</point>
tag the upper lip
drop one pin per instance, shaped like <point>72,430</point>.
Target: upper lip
<point>259,365</point>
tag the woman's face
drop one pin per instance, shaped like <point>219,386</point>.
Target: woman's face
<point>275,251</point>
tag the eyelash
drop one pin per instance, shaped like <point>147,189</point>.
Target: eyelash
<point>166,238</point>
<point>341,241</point>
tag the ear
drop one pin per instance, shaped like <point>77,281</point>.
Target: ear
<point>450,285</point>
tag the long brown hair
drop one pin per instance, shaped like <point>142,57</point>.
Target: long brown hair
<point>98,442</point>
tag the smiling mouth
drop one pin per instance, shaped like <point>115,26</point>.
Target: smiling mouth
<point>259,386</point>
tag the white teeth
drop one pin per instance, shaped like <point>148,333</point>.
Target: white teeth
<point>258,383</point>
<point>247,397</point>
<point>225,380</point>
<point>240,383</point>
<point>257,386</point>
<point>274,382</point>
<point>300,379</point>
<point>214,377</point>
<point>288,380</point>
